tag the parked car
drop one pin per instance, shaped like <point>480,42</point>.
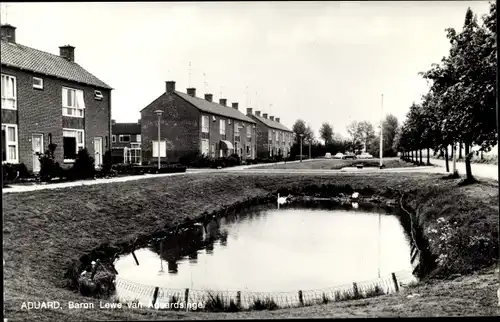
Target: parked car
<point>328,155</point>
<point>338,156</point>
<point>365,155</point>
<point>349,156</point>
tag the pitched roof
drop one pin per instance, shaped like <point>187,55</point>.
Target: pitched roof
<point>272,124</point>
<point>23,57</point>
<point>126,128</point>
<point>214,108</point>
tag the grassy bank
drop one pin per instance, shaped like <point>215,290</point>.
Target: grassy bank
<point>336,164</point>
<point>44,230</point>
<point>487,159</point>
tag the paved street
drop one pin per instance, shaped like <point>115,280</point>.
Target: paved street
<point>479,170</point>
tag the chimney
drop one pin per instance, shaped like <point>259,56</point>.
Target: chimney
<point>67,52</point>
<point>191,92</point>
<point>257,113</point>
<point>8,33</point>
<point>264,115</point>
<point>249,111</point>
<point>170,86</point>
<point>235,105</point>
<point>278,119</point>
<point>271,118</point>
<point>113,122</point>
<point>223,101</point>
<point>209,97</point>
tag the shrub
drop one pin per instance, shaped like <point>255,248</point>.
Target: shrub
<point>49,168</point>
<point>12,172</point>
<point>107,162</point>
<point>84,167</point>
<point>264,304</point>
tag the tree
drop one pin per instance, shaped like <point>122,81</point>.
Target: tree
<point>299,127</point>
<point>326,133</point>
<point>390,126</point>
<point>361,134</point>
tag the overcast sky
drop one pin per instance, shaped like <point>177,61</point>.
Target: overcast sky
<point>319,61</point>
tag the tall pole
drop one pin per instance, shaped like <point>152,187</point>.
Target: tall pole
<point>310,142</point>
<point>379,224</point>
<point>381,131</point>
<point>454,158</point>
<point>300,135</point>
<point>159,145</point>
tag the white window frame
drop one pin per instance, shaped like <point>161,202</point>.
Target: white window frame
<point>113,138</point>
<point>202,147</point>
<point>9,143</point>
<point>79,145</point>
<point>163,148</point>
<point>222,125</point>
<point>79,101</point>
<point>13,97</point>
<point>121,136</point>
<point>270,135</point>
<point>138,138</point>
<point>40,85</point>
<point>236,129</point>
<point>136,158</point>
<point>98,95</point>
<point>249,131</point>
<point>277,136</point>
<point>205,124</point>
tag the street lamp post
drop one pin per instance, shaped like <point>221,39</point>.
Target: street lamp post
<point>301,135</point>
<point>159,113</point>
<point>310,142</point>
<point>382,132</point>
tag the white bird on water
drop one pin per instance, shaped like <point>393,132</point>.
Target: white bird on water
<point>283,200</point>
<point>355,195</point>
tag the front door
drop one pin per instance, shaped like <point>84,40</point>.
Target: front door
<point>37,147</point>
<point>98,151</point>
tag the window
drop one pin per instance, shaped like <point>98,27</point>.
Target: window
<point>72,102</point>
<point>113,138</point>
<point>223,127</point>
<point>37,82</point>
<point>236,129</point>
<point>73,141</point>
<point>248,149</point>
<point>138,138</point>
<point>9,143</point>
<point>98,95</point>
<point>9,91</point>
<point>213,150</point>
<point>204,146</point>
<point>163,149</point>
<point>249,131</point>
<point>124,138</point>
<point>205,127</point>
<point>277,136</point>
<point>270,135</point>
<point>134,153</point>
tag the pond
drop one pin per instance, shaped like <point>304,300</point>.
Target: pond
<point>266,249</point>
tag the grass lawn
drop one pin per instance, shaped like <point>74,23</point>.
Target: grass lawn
<point>44,230</point>
<point>337,164</point>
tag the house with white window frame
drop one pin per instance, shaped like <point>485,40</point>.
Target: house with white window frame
<point>50,99</point>
<point>126,140</point>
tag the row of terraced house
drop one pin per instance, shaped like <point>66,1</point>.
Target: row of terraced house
<point>49,98</point>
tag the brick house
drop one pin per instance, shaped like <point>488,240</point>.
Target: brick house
<point>190,124</point>
<point>273,138</point>
<point>126,142</point>
<point>50,99</point>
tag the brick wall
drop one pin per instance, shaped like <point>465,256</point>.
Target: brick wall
<point>180,125</point>
<point>39,111</point>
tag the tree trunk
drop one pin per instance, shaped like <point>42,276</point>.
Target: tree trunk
<point>468,169</point>
<point>460,150</point>
<point>428,157</point>
<point>481,155</point>
<point>421,157</point>
<point>446,159</point>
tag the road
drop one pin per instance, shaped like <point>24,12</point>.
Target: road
<point>478,169</point>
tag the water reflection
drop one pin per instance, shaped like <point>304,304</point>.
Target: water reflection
<point>276,250</point>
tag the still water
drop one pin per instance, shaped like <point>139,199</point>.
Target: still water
<point>274,250</point>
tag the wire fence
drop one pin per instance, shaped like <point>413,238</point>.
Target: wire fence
<point>151,295</point>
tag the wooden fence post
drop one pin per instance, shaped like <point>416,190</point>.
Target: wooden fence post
<point>186,297</point>
<point>301,299</point>
<point>356,290</point>
<point>155,295</point>
<point>395,280</point>
<point>135,258</point>
<point>238,298</point>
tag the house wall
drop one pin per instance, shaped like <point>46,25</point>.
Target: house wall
<point>39,111</point>
<point>118,144</point>
<point>180,125</point>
